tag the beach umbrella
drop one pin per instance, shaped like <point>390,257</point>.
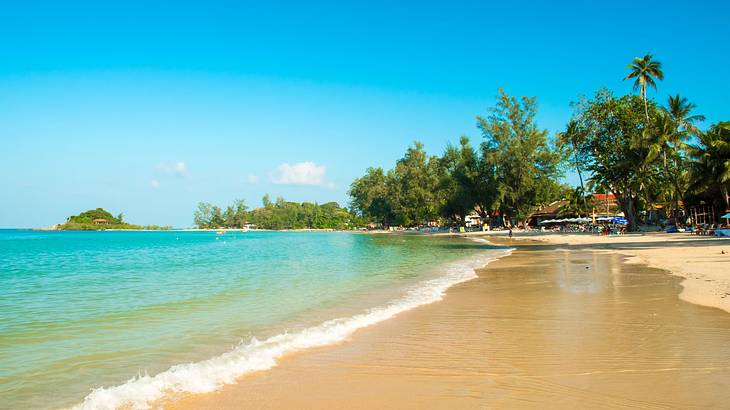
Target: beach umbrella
<point>620,221</point>
<point>726,216</point>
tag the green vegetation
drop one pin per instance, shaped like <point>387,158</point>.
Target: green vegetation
<point>515,171</point>
<point>275,215</point>
<point>709,164</point>
<point>526,161</point>
<point>100,219</point>
<point>665,163</point>
<point>644,70</point>
<point>654,159</point>
<point>210,216</point>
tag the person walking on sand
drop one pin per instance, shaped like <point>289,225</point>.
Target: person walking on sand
<point>510,232</point>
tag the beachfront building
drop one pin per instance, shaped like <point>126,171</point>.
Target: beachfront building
<point>605,203</point>
<point>551,211</point>
<point>473,220</point>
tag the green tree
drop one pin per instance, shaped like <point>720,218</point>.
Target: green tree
<point>467,181</point>
<point>203,215</point>
<point>644,71</point>
<point>291,215</point>
<point>680,111</point>
<point>240,214</point>
<point>229,217</point>
<point>216,219</point>
<point>458,180</point>
<point>369,197</point>
<point>664,150</point>
<point>412,185</point>
<point>710,166</point>
<point>486,187</point>
<point>611,140</point>
<point>569,138</point>
<point>671,128</point>
<point>578,202</point>
<point>527,166</point>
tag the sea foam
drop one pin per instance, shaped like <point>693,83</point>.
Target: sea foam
<point>209,375</point>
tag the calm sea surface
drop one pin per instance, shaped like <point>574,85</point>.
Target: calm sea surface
<point>102,319</point>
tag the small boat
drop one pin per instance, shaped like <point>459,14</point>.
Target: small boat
<point>220,232</point>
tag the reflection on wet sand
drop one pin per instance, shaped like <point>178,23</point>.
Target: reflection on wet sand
<point>541,328</point>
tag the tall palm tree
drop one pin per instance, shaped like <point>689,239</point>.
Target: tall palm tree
<point>665,141</point>
<point>672,127</point>
<point>644,70</point>
<point>711,161</point>
<point>680,110</point>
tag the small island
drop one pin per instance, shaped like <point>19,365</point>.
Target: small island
<point>100,219</point>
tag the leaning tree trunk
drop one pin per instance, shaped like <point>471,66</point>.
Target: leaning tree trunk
<point>628,206</point>
<point>675,182</point>
<point>725,196</point>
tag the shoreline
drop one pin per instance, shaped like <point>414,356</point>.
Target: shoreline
<point>257,356</point>
<point>550,324</point>
<point>638,250</point>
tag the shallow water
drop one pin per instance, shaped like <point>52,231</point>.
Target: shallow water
<point>543,328</point>
<point>90,310</point>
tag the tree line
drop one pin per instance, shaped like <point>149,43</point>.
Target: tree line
<point>514,170</point>
<point>654,159</point>
<point>279,214</point>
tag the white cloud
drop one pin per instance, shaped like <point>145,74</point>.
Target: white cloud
<point>301,173</point>
<point>252,179</point>
<point>179,168</point>
<point>155,184</point>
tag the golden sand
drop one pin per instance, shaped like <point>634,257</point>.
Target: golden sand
<point>543,328</point>
<point>704,262</point>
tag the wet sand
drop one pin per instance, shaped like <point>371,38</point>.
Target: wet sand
<point>704,262</point>
<point>542,328</point>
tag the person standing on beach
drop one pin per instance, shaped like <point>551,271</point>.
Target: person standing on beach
<point>510,232</point>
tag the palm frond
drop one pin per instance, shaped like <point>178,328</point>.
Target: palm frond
<point>650,82</point>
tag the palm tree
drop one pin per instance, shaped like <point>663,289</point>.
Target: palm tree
<point>680,110</point>
<point>667,138</point>
<point>576,203</point>
<point>710,167</point>
<point>645,70</point>
<point>665,141</point>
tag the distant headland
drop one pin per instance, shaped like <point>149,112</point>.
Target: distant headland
<point>99,219</point>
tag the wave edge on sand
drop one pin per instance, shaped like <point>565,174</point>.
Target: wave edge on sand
<point>255,355</point>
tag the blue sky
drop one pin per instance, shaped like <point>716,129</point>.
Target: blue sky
<point>148,110</point>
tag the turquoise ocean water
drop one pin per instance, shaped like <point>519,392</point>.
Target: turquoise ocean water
<point>109,319</point>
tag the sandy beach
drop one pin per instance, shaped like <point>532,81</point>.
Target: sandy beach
<point>703,262</point>
<point>563,324</point>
